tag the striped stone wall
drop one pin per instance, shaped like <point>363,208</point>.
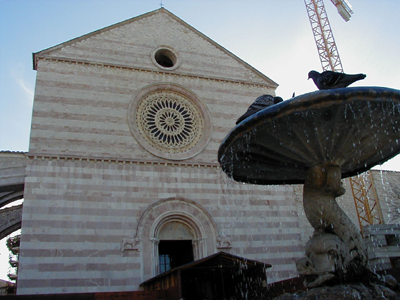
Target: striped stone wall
<point>83,109</point>
<point>131,43</point>
<point>92,191</point>
<point>387,185</point>
<point>77,213</point>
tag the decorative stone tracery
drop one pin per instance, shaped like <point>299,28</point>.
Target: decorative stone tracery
<point>170,121</point>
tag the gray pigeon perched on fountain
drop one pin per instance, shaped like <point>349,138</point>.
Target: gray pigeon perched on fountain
<point>333,80</point>
<point>259,104</point>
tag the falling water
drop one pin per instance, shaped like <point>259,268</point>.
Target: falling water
<point>316,145</point>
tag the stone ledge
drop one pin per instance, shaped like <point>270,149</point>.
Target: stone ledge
<point>123,161</point>
<point>126,67</point>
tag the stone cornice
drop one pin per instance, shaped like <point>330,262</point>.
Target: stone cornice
<point>123,161</point>
<point>16,154</point>
<point>161,72</point>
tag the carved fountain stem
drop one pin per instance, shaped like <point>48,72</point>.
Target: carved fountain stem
<point>321,187</point>
<point>332,226</point>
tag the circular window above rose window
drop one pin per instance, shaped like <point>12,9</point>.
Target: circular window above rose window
<point>170,122</point>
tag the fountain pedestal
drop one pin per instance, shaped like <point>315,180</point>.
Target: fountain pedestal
<point>317,139</point>
<point>336,250</point>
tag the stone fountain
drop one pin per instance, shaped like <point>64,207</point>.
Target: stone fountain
<point>317,139</point>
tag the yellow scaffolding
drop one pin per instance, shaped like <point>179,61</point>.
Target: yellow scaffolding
<point>366,200</point>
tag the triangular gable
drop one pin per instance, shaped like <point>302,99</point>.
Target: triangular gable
<point>130,42</point>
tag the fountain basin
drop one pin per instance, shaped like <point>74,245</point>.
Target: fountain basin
<point>353,128</point>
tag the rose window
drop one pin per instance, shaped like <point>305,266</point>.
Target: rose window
<point>169,121</point>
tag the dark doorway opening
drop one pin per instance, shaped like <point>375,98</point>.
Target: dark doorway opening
<point>173,254</point>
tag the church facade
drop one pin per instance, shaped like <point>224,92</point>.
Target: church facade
<point>126,126</point>
<point>122,178</point>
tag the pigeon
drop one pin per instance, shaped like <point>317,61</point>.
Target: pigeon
<point>259,104</point>
<point>333,80</point>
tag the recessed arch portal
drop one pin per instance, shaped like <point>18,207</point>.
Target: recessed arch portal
<point>178,219</point>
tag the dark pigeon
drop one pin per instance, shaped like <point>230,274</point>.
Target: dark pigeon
<point>260,103</point>
<point>333,80</point>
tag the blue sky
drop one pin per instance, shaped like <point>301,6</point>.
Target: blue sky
<point>273,36</point>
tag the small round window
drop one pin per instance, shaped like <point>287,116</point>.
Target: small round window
<point>165,58</point>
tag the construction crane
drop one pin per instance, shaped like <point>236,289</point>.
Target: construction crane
<point>365,197</point>
<point>366,200</point>
<point>322,31</point>
<point>344,8</point>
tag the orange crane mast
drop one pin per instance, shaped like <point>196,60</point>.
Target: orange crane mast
<point>323,36</point>
<point>366,200</point>
<point>362,186</point>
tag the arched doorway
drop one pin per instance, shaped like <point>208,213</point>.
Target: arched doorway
<point>175,247</point>
<point>174,222</point>
<point>180,229</point>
